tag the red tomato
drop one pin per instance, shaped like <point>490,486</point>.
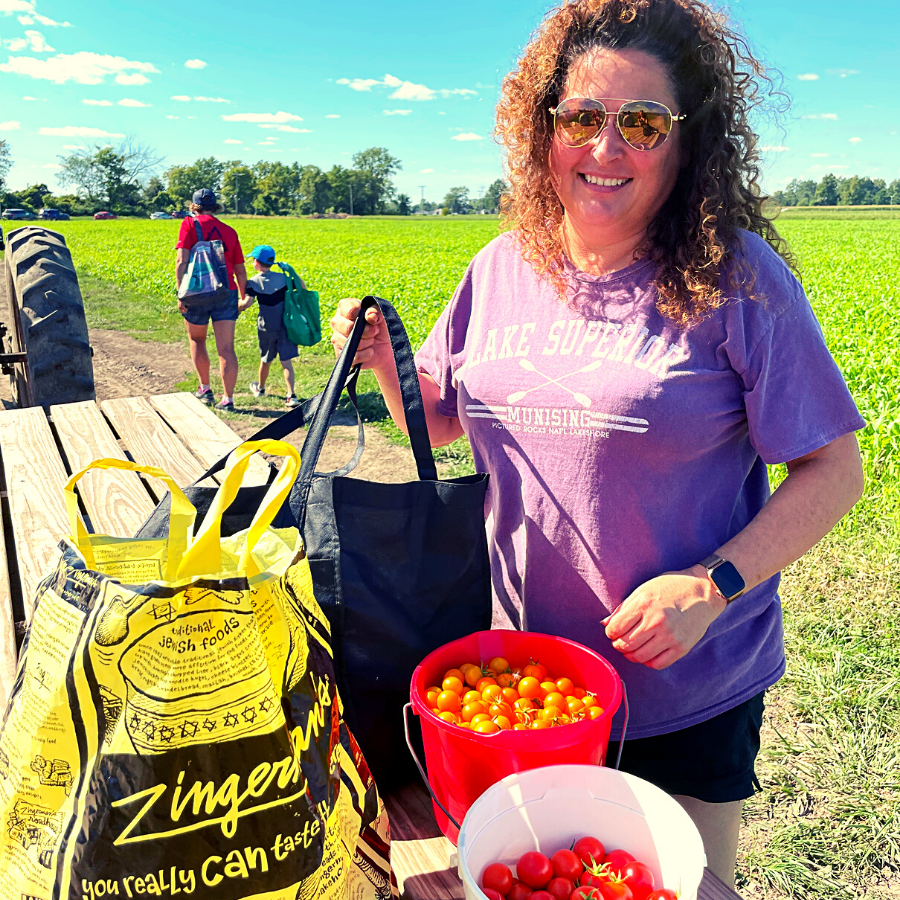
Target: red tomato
<point>639,878</point>
<point>566,864</point>
<point>498,878</point>
<point>615,890</point>
<point>561,888</point>
<point>542,895</point>
<point>491,894</point>
<point>534,869</point>
<point>586,892</point>
<point>519,891</point>
<point>663,894</point>
<point>595,877</point>
<point>618,859</point>
<point>589,850</point>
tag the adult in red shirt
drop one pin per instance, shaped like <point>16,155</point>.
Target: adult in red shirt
<point>224,313</point>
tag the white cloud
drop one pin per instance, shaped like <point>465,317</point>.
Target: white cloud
<point>275,118</point>
<point>27,6</point>
<point>830,116</point>
<point>425,171</point>
<point>134,79</point>
<point>172,117</point>
<point>181,98</point>
<point>129,102</point>
<point>96,103</point>
<point>14,6</point>
<point>81,67</point>
<point>211,100</point>
<point>332,116</point>
<point>195,64</point>
<point>403,90</point>
<point>284,128</point>
<point>397,112</point>
<point>71,147</point>
<point>843,72</point>
<point>10,126</point>
<point>50,23</point>
<point>856,140</point>
<point>29,98</point>
<point>468,136</point>
<point>808,76</point>
<point>232,141</point>
<point>77,131</point>
<point>33,41</point>
<point>265,143</point>
<point>51,166</point>
<point>776,149</point>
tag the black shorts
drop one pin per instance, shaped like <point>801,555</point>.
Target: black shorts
<point>711,761</point>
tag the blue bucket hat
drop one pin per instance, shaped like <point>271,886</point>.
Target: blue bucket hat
<point>264,253</point>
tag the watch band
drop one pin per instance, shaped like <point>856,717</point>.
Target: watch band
<point>735,587</point>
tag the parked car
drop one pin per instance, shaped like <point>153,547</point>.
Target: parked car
<point>103,214</point>
<point>54,214</point>
<point>181,214</point>
<point>17,214</point>
<point>160,215</point>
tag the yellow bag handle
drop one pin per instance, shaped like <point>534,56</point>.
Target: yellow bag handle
<point>204,556</point>
<point>181,518</point>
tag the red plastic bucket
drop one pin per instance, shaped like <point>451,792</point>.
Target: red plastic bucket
<point>462,765</point>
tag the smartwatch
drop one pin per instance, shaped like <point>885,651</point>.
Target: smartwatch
<point>724,576</point>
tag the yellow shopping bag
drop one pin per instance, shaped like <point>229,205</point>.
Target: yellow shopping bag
<point>175,727</point>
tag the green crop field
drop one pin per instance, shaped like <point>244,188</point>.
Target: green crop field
<point>827,824</point>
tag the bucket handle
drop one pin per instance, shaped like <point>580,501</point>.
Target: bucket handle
<point>421,770</point>
<point>624,726</point>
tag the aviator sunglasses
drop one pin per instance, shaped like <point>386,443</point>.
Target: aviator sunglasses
<point>643,124</point>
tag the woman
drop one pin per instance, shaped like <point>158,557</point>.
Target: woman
<point>625,363</point>
<point>203,210</point>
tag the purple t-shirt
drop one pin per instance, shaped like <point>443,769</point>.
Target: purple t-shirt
<point>620,447</point>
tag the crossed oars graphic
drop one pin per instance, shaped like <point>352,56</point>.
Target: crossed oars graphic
<point>583,399</point>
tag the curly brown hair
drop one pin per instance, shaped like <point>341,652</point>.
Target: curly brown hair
<point>716,80</point>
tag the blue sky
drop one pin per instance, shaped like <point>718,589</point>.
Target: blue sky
<point>316,82</point>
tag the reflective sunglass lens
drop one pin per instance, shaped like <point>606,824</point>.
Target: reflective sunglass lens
<point>644,125</point>
<point>579,123</point>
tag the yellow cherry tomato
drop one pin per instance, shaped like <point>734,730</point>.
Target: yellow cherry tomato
<point>549,687</point>
<point>574,704</point>
<point>519,726</point>
<point>510,695</point>
<point>595,712</point>
<point>500,709</point>
<point>482,683</point>
<point>555,698</point>
<point>431,695</point>
<point>448,701</point>
<point>486,727</point>
<point>452,683</point>
<point>450,717</point>
<point>471,710</point>
<point>492,693</point>
<point>523,703</point>
<point>548,713</point>
<point>480,717</point>
<point>471,697</point>
<point>590,700</point>
<point>565,686</point>
<point>541,723</point>
<point>530,688</point>
<point>580,693</point>
<point>503,722</point>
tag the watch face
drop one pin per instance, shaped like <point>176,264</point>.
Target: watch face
<point>727,579</point>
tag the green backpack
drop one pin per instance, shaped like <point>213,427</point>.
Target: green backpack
<point>302,319</point>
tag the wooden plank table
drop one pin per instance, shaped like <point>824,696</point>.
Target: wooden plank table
<point>176,432</point>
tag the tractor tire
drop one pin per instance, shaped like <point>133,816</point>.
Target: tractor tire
<point>51,311</point>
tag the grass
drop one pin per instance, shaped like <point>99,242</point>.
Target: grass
<point>827,824</point>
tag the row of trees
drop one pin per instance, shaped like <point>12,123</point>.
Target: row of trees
<point>126,180</point>
<point>833,190</point>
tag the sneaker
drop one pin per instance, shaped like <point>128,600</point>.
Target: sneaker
<point>256,390</point>
<point>206,396</point>
<point>225,405</point>
<point>292,402</point>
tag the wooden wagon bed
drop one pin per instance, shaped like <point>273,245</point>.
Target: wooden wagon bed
<point>40,449</point>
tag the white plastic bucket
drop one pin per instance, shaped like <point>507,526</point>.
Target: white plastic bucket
<point>547,809</point>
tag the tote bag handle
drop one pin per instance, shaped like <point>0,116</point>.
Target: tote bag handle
<point>181,520</point>
<point>409,390</point>
<point>204,556</point>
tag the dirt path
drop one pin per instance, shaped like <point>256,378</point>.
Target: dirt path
<point>125,367</point>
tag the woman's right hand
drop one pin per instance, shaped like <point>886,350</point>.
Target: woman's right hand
<point>374,351</point>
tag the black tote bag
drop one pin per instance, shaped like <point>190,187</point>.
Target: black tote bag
<point>399,569</point>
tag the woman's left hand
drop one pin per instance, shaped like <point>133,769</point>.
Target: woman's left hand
<point>665,617</point>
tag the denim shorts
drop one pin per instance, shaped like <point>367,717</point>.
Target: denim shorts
<point>276,344</point>
<point>711,761</point>
<point>223,311</point>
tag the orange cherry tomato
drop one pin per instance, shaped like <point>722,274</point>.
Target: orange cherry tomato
<point>470,710</point>
<point>454,673</point>
<point>535,670</point>
<point>482,683</point>
<point>530,688</point>
<point>480,717</point>
<point>499,664</point>
<point>450,717</point>
<point>519,726</point>
<point>471,697</point>
<point>522,704</point>
<point>473,675</point>
<point>503,722</point>
<point>431,695</point>
<point>486,727</point>
<point>574,704</point>
<point>541,723</point>
<point>510,695</point>
<point>452,683</point>
<point>595,712</point>
<point>448,701</point>
<point>554,698</point>
<point>580,693</point>
<point>506,680</point>
<point>566,686</point>
<point>500,709</point>
<point>492,693</point>
<point>590,700</point>
<point>549,687</point>
<point>548,713</point>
